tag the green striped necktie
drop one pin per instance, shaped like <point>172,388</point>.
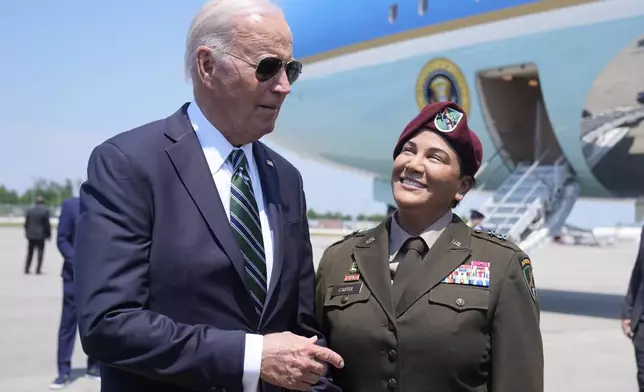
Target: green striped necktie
<point>244,219</point>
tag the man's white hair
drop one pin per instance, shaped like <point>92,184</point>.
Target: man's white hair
<point>214,24</point>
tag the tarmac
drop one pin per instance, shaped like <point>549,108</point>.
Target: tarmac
<point>581,291</point>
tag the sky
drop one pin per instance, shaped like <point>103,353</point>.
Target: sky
<point>75,72</point>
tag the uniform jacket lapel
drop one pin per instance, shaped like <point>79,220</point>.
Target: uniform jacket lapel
<point>371,255</point>
<point>450,250</point>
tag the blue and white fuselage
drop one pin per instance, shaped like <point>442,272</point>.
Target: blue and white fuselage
<point>370,65</point>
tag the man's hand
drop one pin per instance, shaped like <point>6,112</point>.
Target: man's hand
<point>294,362</point>
<point>626,328</point>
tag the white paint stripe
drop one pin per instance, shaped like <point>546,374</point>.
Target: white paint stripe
<point>574,16</point>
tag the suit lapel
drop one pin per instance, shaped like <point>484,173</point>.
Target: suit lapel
<point>450,250</point>
<point>371,256</point>
<point>192,168</point>
<point>273,200</point>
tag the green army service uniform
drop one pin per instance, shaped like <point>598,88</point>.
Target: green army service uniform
<point>437,334</point>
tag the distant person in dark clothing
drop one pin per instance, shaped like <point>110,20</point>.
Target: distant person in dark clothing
<point>476,220</point>
<point>37,230</point>
<point>633,311</point>
<point>68,323</point>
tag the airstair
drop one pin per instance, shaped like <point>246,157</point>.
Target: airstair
<point>532,204</point>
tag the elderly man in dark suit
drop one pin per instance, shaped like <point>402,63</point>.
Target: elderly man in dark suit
<point>193,259</point>
<point>37,231</point>
<point>68,324</point>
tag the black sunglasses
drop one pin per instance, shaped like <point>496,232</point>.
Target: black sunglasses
<point>270,66</point>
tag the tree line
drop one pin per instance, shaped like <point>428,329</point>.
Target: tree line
<point>53,192</point>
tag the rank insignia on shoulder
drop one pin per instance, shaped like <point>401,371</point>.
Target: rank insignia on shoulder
<point>528,276</point>
<point>476,273</point>
<point>492,233</point>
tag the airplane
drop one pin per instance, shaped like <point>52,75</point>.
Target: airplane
<point>551,87</point>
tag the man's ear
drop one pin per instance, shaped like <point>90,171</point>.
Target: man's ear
<point>205,65</point>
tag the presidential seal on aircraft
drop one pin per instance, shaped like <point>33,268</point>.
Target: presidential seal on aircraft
<point>441,80</point>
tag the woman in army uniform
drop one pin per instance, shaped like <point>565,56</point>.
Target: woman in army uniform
<point>422,302</point>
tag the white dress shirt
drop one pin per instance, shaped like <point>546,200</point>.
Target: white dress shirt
<point>216,150</point>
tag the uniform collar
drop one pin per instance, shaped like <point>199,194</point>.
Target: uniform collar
<point>398,235</point>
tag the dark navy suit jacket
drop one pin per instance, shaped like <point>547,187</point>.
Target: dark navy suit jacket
<point>634,301</point>
<point>65,235</point>
<point>37,226</point>
<point>159,282</point>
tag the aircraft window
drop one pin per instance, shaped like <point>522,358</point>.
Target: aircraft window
<point>393,13</point>
<point>422,7</point>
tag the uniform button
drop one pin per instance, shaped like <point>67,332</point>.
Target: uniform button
<point>392,355</point>
<point>391,383</point>
<point>344,299</point>
<point>460,302</point>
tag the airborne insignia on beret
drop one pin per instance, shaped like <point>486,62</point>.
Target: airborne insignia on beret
<point>447,119</point>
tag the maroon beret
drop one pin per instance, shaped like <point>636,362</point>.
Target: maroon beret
<point>449,121</point>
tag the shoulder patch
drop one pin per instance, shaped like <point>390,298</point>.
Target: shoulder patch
<point>528,276</point>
